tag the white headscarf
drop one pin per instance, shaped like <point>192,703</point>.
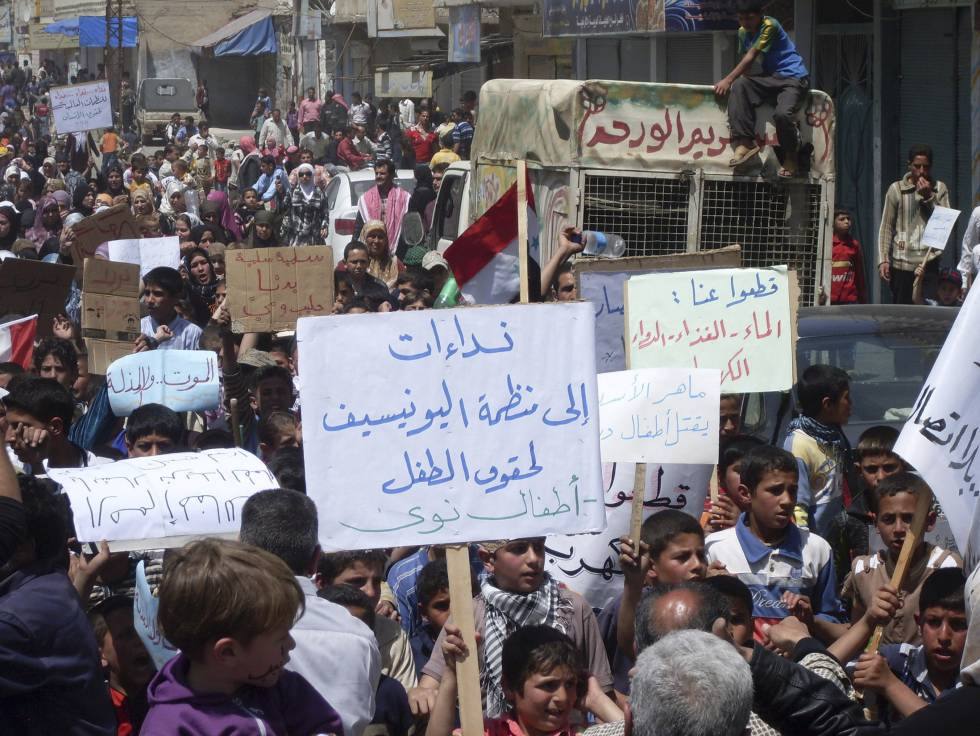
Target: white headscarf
<point>307,186</point>
<point>970,664</point>
<point>173,185</point>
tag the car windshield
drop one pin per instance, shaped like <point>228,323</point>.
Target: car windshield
<point>357,188</point>
<point>887,370</point>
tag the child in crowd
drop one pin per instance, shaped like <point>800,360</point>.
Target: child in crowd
<point>740,606</point>
<point>277,429</point>
<point>222,170</point>
<point>874,458</point>
<point>127,666</point>
<point>893,506</point>
<point>392,714</point>
<point>847,283</point>
<point>671,551</point>
<point>202,167</point>
<point>245,212</point>
<point>517,592</point>
<point>230,675</point>
<point>432,589</point>
<point>789,570</point>
<point>365,570</point>
<point>730,416</point>
<point>911,677</point>
<point>153,429</point>
<point>731,504</point>
<point>543,678</point>
<point>163,289</point>
<point>822,451</point>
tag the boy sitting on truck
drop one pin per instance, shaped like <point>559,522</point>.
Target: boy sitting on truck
<point>783,82</point>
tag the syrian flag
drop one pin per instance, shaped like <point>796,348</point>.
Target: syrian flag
<point>17,341</point>
<point>484,259</point>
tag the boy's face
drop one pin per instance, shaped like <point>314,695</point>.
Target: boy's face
<point>251,199</point>
<point>894,519</point>
<point>750,21</point>
<point>20,421</point>
<point>682,560</point>
<point>836,411</point>
<point>282,360</point>
<point>365,577</point>
<point>943,637</point>
<point>518,567</point>
<point>842,224</point>
<point>261,662</point>
<point>947,294</point>
<point>123,652</point>
<point>272,394</point>
<point>150,445</point>
<point>436,611</point>
<point>546,701</point>
<point>875,468</point>
<point>741,622</point>
<point>773,500</point>
<point>159,303</point>
<point>51,367</point>
<point>733,484</point>
<point>730,417</point>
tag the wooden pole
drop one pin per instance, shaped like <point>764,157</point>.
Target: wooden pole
<point>640,475</point>
<point>467,670</point>
<point>236,428</point>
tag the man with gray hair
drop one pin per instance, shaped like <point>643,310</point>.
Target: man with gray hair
<point>335,652</point>
<point>708,682</point>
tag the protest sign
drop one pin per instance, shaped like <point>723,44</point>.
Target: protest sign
<point>145,607</point>
<point>589,563</point>
<point>110,299</point>
<point>451,426</point>
<point>111,224</point>
<point>270,288</point>
<point>147,253</point>
<point>938,228</point>
<point>601,282</point>
<point>183,380</point>
<point>35,287</point>
<point>103,353</point>
<point>162,501</point>
<point>941,437</point>
<point>80,107</point>
<point>740,321</point>
<point>659,415</point>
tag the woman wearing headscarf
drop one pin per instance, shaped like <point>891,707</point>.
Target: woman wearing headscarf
<point>381,263</point>
<point>171,204</point>
<point>248,171</point>
<point>424,191</point>
<point>24,202</point>
<point>63,199</point>
<point>47,221</point>
<point>141,203</point>
<point>264,231</point>
<point>206,233</point>
<point>211,217</point>
<point>227,217</point>
<point>202,284</point>
<point>9,225</point>
<point>83,200</point>
<point>184,225</point>
<point>306,220</point>
<point>112,182</point>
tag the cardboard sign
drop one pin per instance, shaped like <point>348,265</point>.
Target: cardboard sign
<point>601,280</point>
<point>270,288</point>
<point>740,321</point>
<point>659,415</point>
<point>183,380</point>
<point>114,223</point>
<point>158,502</point>
<point>147,253</point>
<point>941,437</point>
<point>35,287</point>
<point>103,353</point>
<point>110,299</point>
<point>451,426</point>
<point>80,107</point>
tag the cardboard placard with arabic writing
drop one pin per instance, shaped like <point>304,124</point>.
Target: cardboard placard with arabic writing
<point>114,223</point>
<point>270,288</point>
<point>601,280</point>
<point>659,415</point>
<point>110,299</point>
<point>103,353</point>
<point>158,502</point>
<point>80,107</point>
<point>35,287</point>
<point>182,380</point>
<point>941,436</point>
<point>740,321</point>
<point>589,563</point>
<point>451,425</point>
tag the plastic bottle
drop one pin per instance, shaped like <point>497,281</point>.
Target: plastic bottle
<point>449,296</point>
<point>603,245</point>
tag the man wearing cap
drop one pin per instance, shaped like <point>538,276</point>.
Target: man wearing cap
<point>439,270</point>
<point>948,290</point>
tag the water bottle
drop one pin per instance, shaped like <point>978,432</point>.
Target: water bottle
<point>603,245</point>
<point>449,296</point>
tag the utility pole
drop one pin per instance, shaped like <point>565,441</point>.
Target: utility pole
<point>113,53</point>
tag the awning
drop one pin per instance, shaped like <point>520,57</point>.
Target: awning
<point>90,31</point>
<point>249,35</point>
<point>66,27</point>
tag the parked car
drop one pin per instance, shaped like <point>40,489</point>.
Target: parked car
<point>886,349</point>
<point>343,193</point>
<point>157,99</point>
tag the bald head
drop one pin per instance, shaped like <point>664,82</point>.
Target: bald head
<point>666,608</point>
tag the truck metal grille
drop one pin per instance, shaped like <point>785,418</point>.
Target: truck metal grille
<point>774,225</point>
<point>649,213</point>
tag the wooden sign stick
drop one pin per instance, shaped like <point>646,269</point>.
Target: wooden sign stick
<point>236,428</point>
